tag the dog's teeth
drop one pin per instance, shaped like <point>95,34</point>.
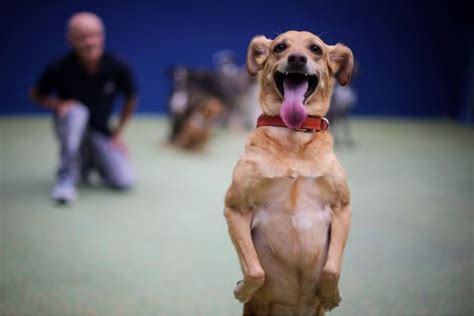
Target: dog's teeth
<point>306,75</point>
<point>286,73</point>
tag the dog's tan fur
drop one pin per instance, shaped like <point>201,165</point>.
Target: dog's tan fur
<point>288,207</point>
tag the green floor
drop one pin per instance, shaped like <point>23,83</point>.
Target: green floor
<point>163,249</point>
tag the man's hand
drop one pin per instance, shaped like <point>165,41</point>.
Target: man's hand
<point>119,143</point>
<point>117,140</point>
<point>60,106</point>
<point>65,106</point>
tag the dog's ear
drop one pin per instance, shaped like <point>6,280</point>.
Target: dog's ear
<point>341,63</point>
<point>257,54</point>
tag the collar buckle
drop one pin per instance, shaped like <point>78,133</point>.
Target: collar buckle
<point>327,123</point>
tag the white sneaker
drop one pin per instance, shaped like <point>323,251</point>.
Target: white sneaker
<point>64,192</point>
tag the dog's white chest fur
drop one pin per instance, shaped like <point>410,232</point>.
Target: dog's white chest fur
<point>306,219</point>
<point>290,232</point>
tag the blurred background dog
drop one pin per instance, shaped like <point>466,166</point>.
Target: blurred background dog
<point>201,99</point>
<point>343,101</point>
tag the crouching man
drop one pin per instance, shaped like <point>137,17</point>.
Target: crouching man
<point>81,88</point>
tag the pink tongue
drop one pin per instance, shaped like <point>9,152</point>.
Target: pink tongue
<point>292,110</point>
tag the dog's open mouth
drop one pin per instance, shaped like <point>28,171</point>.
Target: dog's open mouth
<point>294,88</point>
<point>296,81</point>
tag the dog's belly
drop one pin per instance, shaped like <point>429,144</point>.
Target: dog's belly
<point>290,233</point>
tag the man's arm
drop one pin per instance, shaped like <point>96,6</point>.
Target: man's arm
<point>126,85</point>
<point>51,102</point>
<point>127,110</point>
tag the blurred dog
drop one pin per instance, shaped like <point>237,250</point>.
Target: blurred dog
<point>196,130</point>
<point>288,207</point>
<point>194,106</point>
<point>343,101</point>
<point>238,90</point>
<point>231,93</point>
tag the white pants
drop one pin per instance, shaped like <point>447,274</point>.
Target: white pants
<point>82,149</point>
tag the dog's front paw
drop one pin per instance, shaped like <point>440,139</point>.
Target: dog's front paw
<point>331,301</point>
<point>329,292</point>
<point>243,291</point>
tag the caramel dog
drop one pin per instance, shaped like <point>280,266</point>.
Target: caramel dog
<point>288,207</point>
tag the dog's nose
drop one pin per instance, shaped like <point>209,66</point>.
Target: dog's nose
<point>297,60</point>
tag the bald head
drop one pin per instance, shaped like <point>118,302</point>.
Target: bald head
<point>85,34</point>
<point>83,22</point>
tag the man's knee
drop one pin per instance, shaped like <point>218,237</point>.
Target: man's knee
<point>80,110</point>
<point>71,128</point>
<point>113,164</point>
<point>122,181</point>
<point>78,115</point>
<point>121,177</point>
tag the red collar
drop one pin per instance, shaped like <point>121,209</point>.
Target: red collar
<point>310,124</point>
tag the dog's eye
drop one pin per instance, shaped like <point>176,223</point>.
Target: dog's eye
<point>316,49</point>
<point>279,48</point>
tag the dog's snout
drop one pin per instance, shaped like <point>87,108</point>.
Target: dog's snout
<point>297,60</point>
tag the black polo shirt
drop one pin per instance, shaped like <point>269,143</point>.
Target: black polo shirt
<point>66,78</point>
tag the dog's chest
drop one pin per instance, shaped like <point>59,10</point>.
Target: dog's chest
<point>293,220</point>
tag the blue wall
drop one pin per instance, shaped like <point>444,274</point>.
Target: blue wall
<point>413,56</point>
